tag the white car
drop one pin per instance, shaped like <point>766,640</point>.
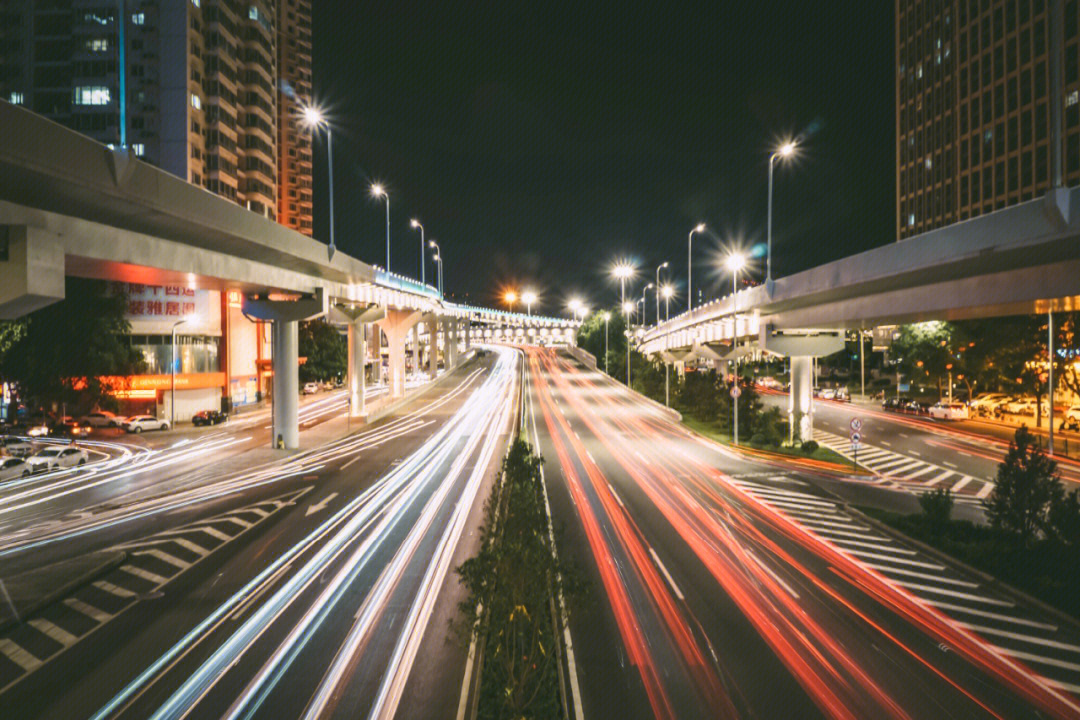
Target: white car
<point>988,401</point>
<point>57,457</point>
<point>949,411</point>
<point>101,418</point>
<point>1024,406</point>
<point>138,423</point>
<point>12,467</point>
<point>311,388</point>
<point>828,393</point>
<point>38,429</point>
<point>15,446</point>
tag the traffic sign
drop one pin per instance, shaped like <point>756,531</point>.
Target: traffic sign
<point>856,424</point>
<point>736,392</point>
<point>856,438</point>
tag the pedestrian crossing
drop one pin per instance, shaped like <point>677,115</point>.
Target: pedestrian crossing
<point>150,563</point>
<point>1024,634</point>
<point>911,473</point>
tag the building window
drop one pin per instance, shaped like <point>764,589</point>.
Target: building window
<point>91,95</point>
<point>911,219</point>
<point>16,98</point>
<point>196,101</point>
<point>139,149</point>
<point>97,45</point>
<point>138,18</point>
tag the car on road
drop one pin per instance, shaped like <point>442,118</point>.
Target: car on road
<point>70,427</point>
<point>769,382</point>
<point>916,407</point>
<point>139,423</point>
<point>39,427</point>
<point>946,410</point>
<point>101,418</point>
<point>15,446</point>
<point>13,467</point>
<point>311,388</point>
<point>827,394</point>
<point>52,458</point>
<point>895,403</point>
<point>209,417</point>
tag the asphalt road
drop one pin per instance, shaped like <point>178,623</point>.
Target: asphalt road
<point>728,587</point>
<point>322,589</point>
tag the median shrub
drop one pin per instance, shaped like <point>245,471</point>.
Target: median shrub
<point>512,583</point>
<point>809,447</point>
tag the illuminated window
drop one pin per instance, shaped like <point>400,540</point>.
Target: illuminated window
<point>138,18</point>
<point>97,44</point>
<point>911,219</point>
<point>196,101</point>
<point>139,149</point>
<point>91,95</point>
<point>16,98</point>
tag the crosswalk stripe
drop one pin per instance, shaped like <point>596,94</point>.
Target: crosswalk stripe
<point>239,521</point>
<point>144,574</point>
<point>1022,638</point>
<point>212,532</point>
<point>1031,657</point>
<point>924,471</point>
<point>869,546</point>
<point>113,589</point>
<point>911,464</point>
<point>985,491</point>
<point>992,615</point>
<point>87,609</point>
<point>829,533</point>
<point>953,593</point>
<point>165,557</point>
<point>893,463</point>
<point>938,478</point>
<point>53,631</point>
<point>890,558</point>
<point>964,482</point>
<point>18,655</point>
<point>802,500</point>
<point>924,576</point>
<point>828,523</point>
<point>802,507</point>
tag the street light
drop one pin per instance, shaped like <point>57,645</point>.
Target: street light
<point>172,375</point>
<point>658,268</point>
<point>700,227</point>
<point>438,259</point>
<point>378,190</point>
<point>607,317</point>
<point>528,297</point>
<point>416,224</point>
<point>735,262</point>
<point>575,306</point>
<point>624,271</point>
<point>314,119</point>
<point>644,290</point>
<point>783,151</point>
<point>667,291</point>
<point>511,298</point>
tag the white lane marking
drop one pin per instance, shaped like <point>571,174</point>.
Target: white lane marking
<point>911,464</point>
<point>916,453</point>
<point>799,508</point>
<point>19,656</point>
<point>773,575</point>
<point>827,523</point>
<point>144,574</point>
<point>212,532</point>
<point>865,536</point>
<point>870,546</point>
<point>1030,657</point>
<point>789,499</point>
<point>886,443</point>
<point>239,521</point>
<point>321,505</point>
<point>355,459</point>
<point>53,631</point>
<point>165,557</point>
<point>938,478</point>
<point>890,558</point>
<point>1031,639</point>
<point>113,589</point>
<point>896,463</point>
<point>87,609</point>
<point>667,575</point>
<point>992,615</point>
<point>924,471</point>
<point>964,482</point>
<point>924,576</point>
<point>616,496</point>
<point>985,491</point>
<point>953,593</point>
<point>949,464</point>
<point>903,435</point>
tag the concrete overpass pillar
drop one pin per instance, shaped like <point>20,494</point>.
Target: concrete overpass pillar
<point>397,326</point>
<point>801,399</point>
<point>467,327</point>
<point>286,360</point>
<point>357,381</point>
<point>285,314</point>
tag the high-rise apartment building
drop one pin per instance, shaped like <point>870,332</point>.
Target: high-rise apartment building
<point>198,97</point>
<point>974,115</point>
<point>294,94</point>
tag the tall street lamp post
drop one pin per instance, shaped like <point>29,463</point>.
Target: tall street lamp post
<point>783,151</point>
<point>528,297</point>
<point>658,268</point>
<point>735,262</point>
<point>607,317</point>
<point>378,190</point>
<point>314,119</point>
<point>416,224</point>
<point>627,308</point>
<point>438,258</point>
<point>172,375</point>
<point>511,298</point>
<point>690,266</point>
<point>668,291</point>
<point>644,290</point>
<point>623,271</point>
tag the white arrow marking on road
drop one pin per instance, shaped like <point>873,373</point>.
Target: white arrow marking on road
<point>321,505</point>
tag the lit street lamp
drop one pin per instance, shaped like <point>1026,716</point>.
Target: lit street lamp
<point>575,306</point>
<point>689,266</point>
<point>624,271</point>
<point>416,224</point>
<point>644,290</point>
<point>314,119</point>
<point>667,291</point>
<point>736,261</point>
<point>658,268</point>
<point>511,298</point>
<point>528,297</point>
<point>172,375</point>
<point>783,151</point>
<point>438,259</point>
<point>378,190</point>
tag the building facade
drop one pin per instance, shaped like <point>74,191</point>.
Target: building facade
<point>294,94</point>
<point>975,85</point>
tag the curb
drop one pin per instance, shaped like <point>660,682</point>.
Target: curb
<point>65,588</point>
<point>988,579</point>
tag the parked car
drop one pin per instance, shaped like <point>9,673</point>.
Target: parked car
<point>138,423</point>
<point>38,428</point>
<point>311,388</point>
<point>895,403</point>
<point>101,418</point>
<point>767,381</point>
<point>13,467</point>
<point>52,458</point>
<point>946,410</point>
<point>917,407</point>
<point>70,427</point>
<point>986,402</point>
<point>842,395</point>
<point>209,417</point>
<point>15,446</point>
<point>1071,419</point>
<point>1024,406</point>
<point>827,394</point>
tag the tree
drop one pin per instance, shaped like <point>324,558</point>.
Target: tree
<point>62,352</point>
<point>326,351</point>
<point>937,507</point>
<point>590,337</point>
<point>1027,487</point>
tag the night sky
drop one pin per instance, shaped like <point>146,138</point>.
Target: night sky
<point>538,143</point>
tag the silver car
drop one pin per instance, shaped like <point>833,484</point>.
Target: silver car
<point>57,457</point>
<point>15,446</point>
<point>145,422</point>
<point>12,467</point>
